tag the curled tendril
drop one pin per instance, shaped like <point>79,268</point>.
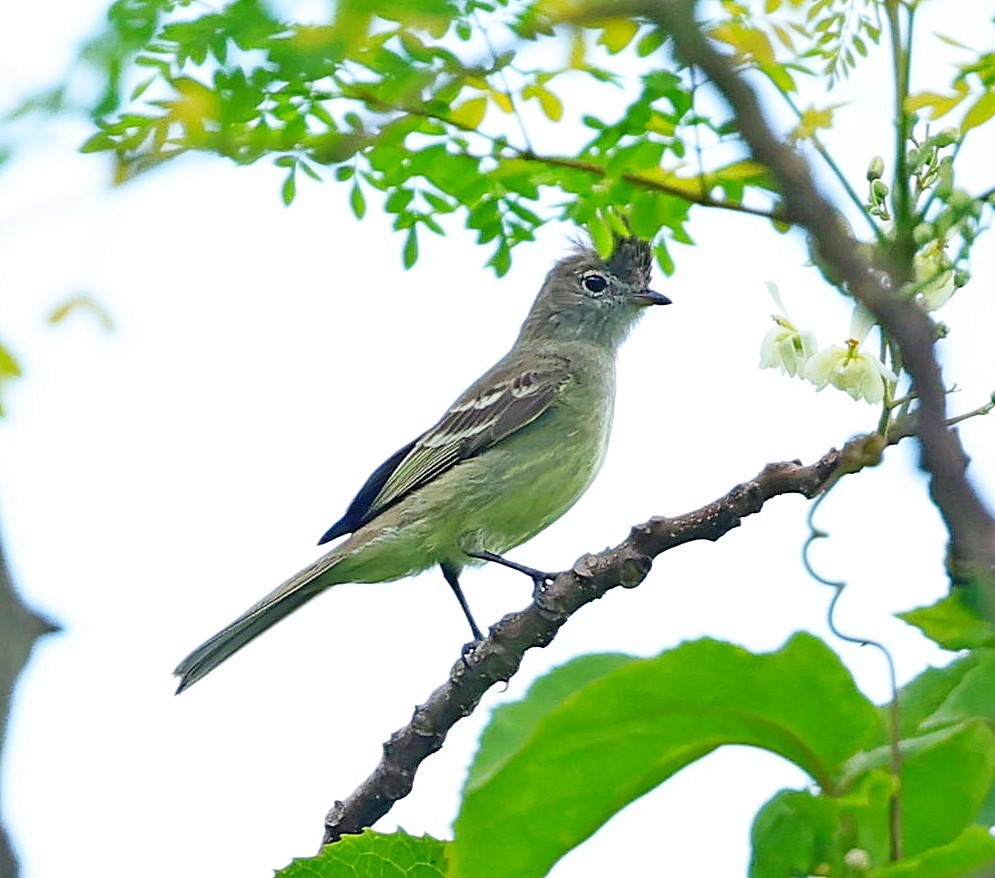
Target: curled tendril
<point>838,586</point>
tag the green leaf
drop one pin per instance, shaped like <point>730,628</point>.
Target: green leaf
<point>972,697</point>
<point>952,624</point>
<point>970,855</point>
<point>99,142</point>
<point>311,172</point>
<point>357,201</point>
<point>944,786</point>
<point>512,724</point>
<point>646,154</point>
<point>790,834</point>
<point>410,255</point>
<point>500,261</point>
<point>601,236</point>
<point>663,257</point>
<point>922,696</point>
<point>374,855</point>
<point>76,304</point>
<point>981,111</point>
<point>141,88</point>
<point>803,833</point>
<point>398,200</point>
<point>939,105</point>
<point>811,120</point>
<point>630,729</point>
<point>551,105</point>
<point>470,113</point>
<point>650,42</point>
<point>289,189</point>
<point>9,367</point>
<point>946,776</point>
<point>617,33</point>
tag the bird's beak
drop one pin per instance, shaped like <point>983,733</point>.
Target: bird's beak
<point>650,297</point>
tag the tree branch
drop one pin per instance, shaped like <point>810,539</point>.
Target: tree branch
<point>969,522</point>
<point>497,657</point>
<point>20,627</point>
<point>640,181</point>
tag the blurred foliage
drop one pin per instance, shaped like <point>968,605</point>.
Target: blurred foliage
<point>427,103</point>
<point>10,368</point>
<point>440,106</point>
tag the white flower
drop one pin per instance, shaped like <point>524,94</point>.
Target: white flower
<point>785,347</point>
<point>934,278</point>
<point>861,323</point>
<point>860,375</point>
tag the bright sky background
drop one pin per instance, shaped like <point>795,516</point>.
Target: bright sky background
<point>156,481</point>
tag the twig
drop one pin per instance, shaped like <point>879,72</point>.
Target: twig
<point>641,181</point>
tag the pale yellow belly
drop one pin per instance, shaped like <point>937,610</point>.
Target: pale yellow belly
<point>492,502</point>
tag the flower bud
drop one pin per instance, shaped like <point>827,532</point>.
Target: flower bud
<point>875,169</point>
<point>857,859</point>
<point>947,137</point>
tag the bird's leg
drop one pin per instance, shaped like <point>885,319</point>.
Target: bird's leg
<point>452,577</point>
<point>538,577</point>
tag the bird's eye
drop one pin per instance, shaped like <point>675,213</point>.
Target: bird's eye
<point>594,283</point>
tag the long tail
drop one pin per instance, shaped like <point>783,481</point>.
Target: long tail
<point>278,604</point>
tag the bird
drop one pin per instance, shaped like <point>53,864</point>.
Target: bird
<point>510,456</point>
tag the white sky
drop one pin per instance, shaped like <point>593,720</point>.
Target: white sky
<point>157,481</point>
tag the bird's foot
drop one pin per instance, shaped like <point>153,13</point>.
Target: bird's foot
<point>540,579</point>
<point>468,648</point>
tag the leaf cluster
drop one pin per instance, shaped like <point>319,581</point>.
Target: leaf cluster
<point>419,103</point>
<point>599,732</point>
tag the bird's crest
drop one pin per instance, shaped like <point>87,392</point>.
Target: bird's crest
<point>631,261</point>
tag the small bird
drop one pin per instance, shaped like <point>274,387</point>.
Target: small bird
<point>514,452</point>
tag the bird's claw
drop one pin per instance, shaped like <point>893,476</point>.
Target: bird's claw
<point>539,582</point>
<point>468,648</point>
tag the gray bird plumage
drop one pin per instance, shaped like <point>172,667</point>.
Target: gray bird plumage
<point>509,456</point>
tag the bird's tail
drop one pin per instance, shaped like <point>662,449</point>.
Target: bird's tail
<point>278,604</point>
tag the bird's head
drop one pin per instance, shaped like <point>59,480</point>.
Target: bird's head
<point>589,298</point>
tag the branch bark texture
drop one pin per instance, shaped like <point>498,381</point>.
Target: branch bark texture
<point>498,656</point>
<point>19,629</point>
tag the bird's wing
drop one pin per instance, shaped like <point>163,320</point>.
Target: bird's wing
<point>504,401</point>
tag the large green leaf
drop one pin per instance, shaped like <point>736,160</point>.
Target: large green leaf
<point>799,832</point>
<point>952,623</point>
<point>946,776</point>
<point>374,855</point>
<point>512,724</point>
<point>924,695</point>
<point>974,694</point>
<point>970,855</point>
<point>630,729</point>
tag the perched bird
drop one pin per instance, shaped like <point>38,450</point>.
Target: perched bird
<point>514,452</point>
